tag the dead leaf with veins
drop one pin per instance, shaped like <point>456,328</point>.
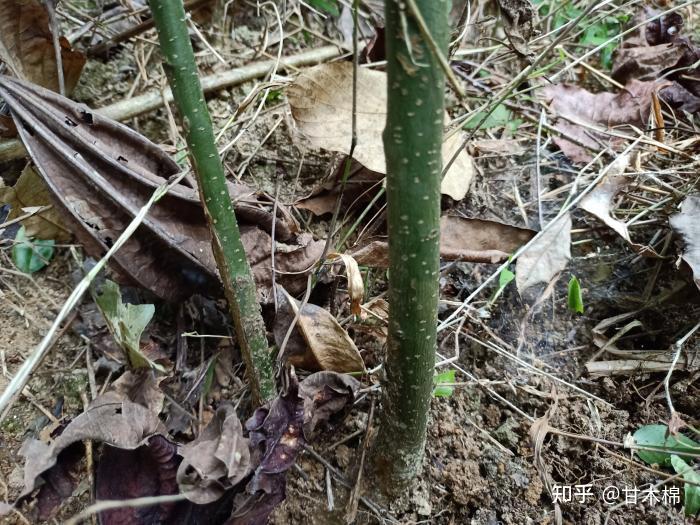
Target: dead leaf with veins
<point>31,191</point>
<point>26,46</point>
<point>318,342</point>
<point>321,103</point>
<point>545,257</point>
<point>216,460</point>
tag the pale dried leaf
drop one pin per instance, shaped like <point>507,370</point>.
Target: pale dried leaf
<point>461,239</point>
<point>545,257</point>
<point>356,286</point>
<point>321,104</point>
<point>599,202</point>
<point>687,223</point>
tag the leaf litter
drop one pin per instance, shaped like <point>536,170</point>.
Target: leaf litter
<point>255,501</point>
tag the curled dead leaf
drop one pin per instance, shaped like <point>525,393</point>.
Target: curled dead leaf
<point>100,173</point>
<point>318,342</point>
<point>356,286</point>
<point>112,418</point>
<point>326,394</point>
<point>216,460</point>
<point>599,202</point>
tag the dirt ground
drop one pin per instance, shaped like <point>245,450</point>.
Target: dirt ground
<point>520,371</point>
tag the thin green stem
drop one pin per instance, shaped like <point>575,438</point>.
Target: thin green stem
<point>181,69</point>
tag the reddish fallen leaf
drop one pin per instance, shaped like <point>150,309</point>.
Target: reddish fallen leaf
<point>100,173</point>
<point>579,112</point>
<point>276,438</point>
<point>26,46</point>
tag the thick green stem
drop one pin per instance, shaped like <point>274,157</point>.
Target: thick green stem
<point>179,64</point>
<point>412,145</point>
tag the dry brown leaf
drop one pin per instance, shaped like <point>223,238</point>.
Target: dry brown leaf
<point>318,342</point>
<point>461,239</point>
<point>100,173</point>
<point>31,191</point>
<point>26,46</point>
<point>545,257</point>
<point>325,394</point>
<point>321,103</point>
<point>112,418</point>
<point>575,106</point>
<point>216,460</point>
<point>519,23</point>
<point>687,223</point>
<point>599,202</point>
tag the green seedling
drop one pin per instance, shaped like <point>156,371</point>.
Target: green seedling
<point>31,255</point>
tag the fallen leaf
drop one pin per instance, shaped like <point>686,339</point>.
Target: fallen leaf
<point>461,239</point>
<point>356,286</point>
<point>519,23</point>
<point>216,460</point>
<point>326,394</point>
<point>324,198</point>
<point>321,103</point>
<point>546,256</point>
<point>687,223</point>
<point>31,255</point>
<point>276,438</point>
<point>318,342</point>
<point>26,46</point>
<point>111,418</point>
<point>30,191</point>
<point>577,109</point>
<point>100,173</point>
<point>599,202</point>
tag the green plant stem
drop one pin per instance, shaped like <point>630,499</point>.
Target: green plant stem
<point>412,145</point>
<point>181,69</point>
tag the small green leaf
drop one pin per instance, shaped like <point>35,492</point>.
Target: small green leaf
<point>329,6</point>
<point>443,384</point>
<point>575,296</point>
<point>500,117</point>
<point>658,436</point>
<point>691,499</point>
<point>31,255</point>
<point>504,278</point>
<point>127,323</point>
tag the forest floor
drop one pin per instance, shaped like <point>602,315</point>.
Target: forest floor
<point>542,397</point>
